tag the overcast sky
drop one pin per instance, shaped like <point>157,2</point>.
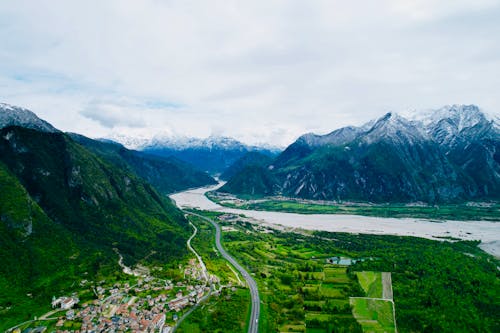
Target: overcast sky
<point>260,70</point>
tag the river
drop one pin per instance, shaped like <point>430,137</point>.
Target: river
<point>487,232</point>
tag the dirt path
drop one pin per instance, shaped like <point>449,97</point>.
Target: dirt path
<point>387,286</point>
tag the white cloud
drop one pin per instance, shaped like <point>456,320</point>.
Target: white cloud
<point>258,70</point>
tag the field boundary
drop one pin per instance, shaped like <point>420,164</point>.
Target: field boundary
<point>387,296</point>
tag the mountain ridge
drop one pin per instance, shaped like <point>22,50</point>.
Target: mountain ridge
<point>392,159</point>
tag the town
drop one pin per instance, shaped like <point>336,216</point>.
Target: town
<point>149,305</point>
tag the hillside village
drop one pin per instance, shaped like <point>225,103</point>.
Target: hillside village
<point>149,305</point>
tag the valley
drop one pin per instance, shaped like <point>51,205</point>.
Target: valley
<point>487,232</point>
<point>97,237</point>
<point>309,280</point>
<point>249,166</point>
<point>470,211</point>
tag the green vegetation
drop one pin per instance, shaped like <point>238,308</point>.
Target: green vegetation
<point>374,315</point>
<point>371,282</point>
<point>227,312</point>
<point>459,212</point>
<point>251,180</point>
<point>204,244</point>
<point>297,288</point>
<point>62,211</point>
<point>249,159</point>
<point>438,286</point>
<point>166,174</point>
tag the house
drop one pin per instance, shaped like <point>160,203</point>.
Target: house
<point>66,303</point>
<point>70,314</point>
<point>333,260</point>
<point>158,321</point>
<point>56,301</point>
<point>178,303</point>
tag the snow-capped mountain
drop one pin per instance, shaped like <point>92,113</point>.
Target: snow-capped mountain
<point>337,137</point>
<point>445,126</point>
<point>451,125</point>
<point>396,128</point>
<point>213,154</point>
<point>449,154</point>
<point>212,142</point>
<point>16,116</point>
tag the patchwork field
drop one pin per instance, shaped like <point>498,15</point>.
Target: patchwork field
<point>304,289</point>
<point>371,282</point>
<point>374,315</point>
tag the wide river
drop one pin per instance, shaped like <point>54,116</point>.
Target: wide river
<point>487,232</point>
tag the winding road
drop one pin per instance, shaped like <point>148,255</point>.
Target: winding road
<point>202,264</point>
<point>253,326</point>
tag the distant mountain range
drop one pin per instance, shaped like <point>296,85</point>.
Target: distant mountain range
<point>213,154</point>
<point>445,155</point>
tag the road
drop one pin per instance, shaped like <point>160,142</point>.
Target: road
<point>253,326</point>
<point>202,264</point>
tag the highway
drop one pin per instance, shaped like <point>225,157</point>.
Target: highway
<point>253,326</point>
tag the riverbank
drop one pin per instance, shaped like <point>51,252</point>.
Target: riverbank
<point>487,232</point>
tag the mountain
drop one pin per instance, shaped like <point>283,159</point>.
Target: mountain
<point>16,116</point>
<point>251,180</point>
<point>166,174</point>
<point>449,155</point>
<point>249,159</point>
<point>63,209</point>
<point>213,154</point>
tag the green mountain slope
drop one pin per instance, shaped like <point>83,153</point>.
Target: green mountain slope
<point>251,180</point>
<point>249,159</point>
<point>63,210</point>
<point>166,174</point>
<point>451,157</point>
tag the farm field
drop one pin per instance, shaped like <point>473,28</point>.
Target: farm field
<point>301,291</point>
<point>374,315</point>
<point>371,282</point>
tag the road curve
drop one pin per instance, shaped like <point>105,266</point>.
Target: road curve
<point>253,326</point>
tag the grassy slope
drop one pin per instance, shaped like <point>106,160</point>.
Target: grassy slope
<point>84,207</point>
<point>31,262</point>
<point>166,174</point>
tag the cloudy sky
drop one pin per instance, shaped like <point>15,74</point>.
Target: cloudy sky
<point>260,70</point>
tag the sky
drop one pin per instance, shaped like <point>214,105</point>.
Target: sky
<point>261,71</point>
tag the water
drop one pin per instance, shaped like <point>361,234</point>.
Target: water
<point>487,232</point>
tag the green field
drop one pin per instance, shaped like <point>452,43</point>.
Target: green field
<point>371,282</point>
<point>374,315</point>
<point>225,313</point>
<point>438,286</point>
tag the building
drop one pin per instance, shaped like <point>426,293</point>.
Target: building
<point>158,321</point>
<point>69,302</point>
<point>178,303</point>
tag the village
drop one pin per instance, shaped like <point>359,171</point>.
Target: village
<point>149,305</point>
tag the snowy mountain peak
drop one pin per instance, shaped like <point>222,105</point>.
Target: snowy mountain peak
<point>451,125</point>
<point>16,116</point>
<point>461,116</point>
<point>337,137</point>
<point>395,128</point>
